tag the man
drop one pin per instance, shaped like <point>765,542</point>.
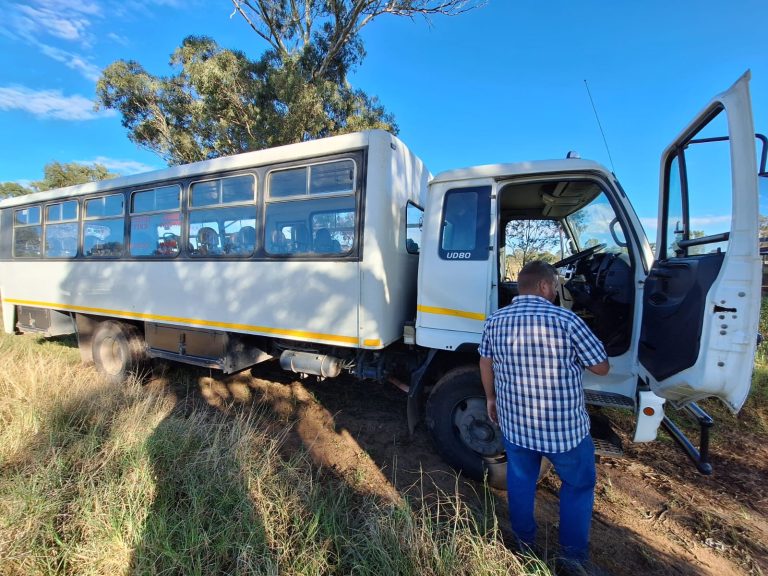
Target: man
<point>533,354</point>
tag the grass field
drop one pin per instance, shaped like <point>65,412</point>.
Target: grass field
<point>100,479</point>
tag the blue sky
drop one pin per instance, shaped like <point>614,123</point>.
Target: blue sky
<point>503,83</point>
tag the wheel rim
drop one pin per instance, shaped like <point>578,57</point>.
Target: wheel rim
<point>474,428</point>
<point>111,354</point>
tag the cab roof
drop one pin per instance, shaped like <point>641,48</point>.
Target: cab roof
<point>503,171</point>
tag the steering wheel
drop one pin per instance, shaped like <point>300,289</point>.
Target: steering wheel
<point>573,258</point>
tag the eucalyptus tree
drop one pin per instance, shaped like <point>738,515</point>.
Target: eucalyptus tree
<point>61,174</point>
<point>58,175</point>
<point>219,101</point>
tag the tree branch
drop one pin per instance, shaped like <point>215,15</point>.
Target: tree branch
<point>348,18</point>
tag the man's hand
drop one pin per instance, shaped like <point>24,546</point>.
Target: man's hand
<point>486,376</point>
<point>490,404</point>
<point>600,369</point>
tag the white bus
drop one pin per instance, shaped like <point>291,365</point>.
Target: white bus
<point>346,255</point>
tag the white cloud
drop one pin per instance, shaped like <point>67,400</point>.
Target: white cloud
<point>49,104</point>
<point>43,22</point>
<point>50,24</point>
<point>707,222</point>
<point>73,61</point>
<point>81,6</point>
<point>120,166</point>
<point>52,20</point>
<point>118,39</point>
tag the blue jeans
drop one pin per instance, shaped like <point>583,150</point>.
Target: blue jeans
<point>576,469</point>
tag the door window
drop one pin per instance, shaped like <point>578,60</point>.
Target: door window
<point>465,233</point>
<point>528,240</point>
<point>698,193</point>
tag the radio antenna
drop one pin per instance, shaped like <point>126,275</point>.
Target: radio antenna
<point>599,125</point>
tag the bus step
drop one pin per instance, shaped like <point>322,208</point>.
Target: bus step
<point>607,448</point>
<point>607,442</point>
<point>608,399</point>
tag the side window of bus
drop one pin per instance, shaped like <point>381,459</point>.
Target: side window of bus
<point>311,209</point>
<point>62,230</point>
<point>27,232</point>
<point>156,222</point>
<point>414,218</point>
<point>222,217</point>
<point>103,229</point>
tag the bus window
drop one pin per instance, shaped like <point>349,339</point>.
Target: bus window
<point>156,222</point>
<point>62,230</point>
<point>219,228</point>
<point>288,183</point>
<point>336,177</point>
<point>414,218</point>
<point>311,209</point>
<point>103,229</point>
<point>222,231</point>
<point>230,190</point>
<point>27,232</point>
<point>317,226</point>
<point>332,178</point>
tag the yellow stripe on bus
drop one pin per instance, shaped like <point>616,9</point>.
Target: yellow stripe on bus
<point>192,321</point>
<point>451,312</point>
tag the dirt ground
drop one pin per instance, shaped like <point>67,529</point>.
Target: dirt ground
<point>654,513</point>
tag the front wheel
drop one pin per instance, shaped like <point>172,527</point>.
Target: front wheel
<point>461,431</point>
<point>457,419</point>
<point>119,351</point>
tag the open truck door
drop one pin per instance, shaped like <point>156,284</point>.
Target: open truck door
<point>701,299</point>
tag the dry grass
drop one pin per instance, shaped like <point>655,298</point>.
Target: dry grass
<point>99,479</point>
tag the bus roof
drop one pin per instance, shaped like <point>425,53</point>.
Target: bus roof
<point>287,153</point>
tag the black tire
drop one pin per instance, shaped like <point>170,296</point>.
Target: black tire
<point>461,431</point>
<point>119,351</point>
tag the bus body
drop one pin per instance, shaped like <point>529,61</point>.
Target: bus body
<point>302,244</point>
<point>346,255</point>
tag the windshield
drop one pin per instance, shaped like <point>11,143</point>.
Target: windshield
<point>596,223</point>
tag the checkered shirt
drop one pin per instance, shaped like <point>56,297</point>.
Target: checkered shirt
<point>539,352</point>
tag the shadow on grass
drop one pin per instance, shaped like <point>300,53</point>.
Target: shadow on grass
<point>356,436</point>
<point>318,504</point>
<point>67,340</point>
<point>201,519</point>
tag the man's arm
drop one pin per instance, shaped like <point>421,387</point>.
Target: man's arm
<point>600,369</point>
<point>486,376</point>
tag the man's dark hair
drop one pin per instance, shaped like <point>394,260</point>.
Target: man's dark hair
<point>533,273</point>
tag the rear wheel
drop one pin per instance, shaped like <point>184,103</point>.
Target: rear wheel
<point>457,419</point>
<point>119,351</point>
